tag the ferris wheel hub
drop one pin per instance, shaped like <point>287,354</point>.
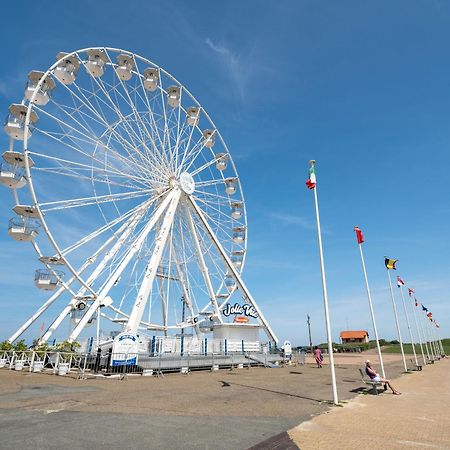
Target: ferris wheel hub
<point>187,183</point>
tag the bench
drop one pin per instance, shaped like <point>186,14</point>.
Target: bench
<point>417,366</point>
<point>374,384</point>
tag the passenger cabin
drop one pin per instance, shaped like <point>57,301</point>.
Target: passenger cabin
<point>15,121</point>
<point>67,68</point>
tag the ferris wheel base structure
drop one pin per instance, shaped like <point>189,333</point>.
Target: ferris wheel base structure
<point>134,205</point>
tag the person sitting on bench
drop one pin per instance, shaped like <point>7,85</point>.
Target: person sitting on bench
<point>376,378</point>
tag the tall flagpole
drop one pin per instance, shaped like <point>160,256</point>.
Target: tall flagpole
<point>324,289</point>
<point>418,333</point>
<point>408,325</point>
<point>433,327</point>
<point>433,335</point>
<point>425,338</point>
<point>440,340</point>
<point>370,306</point>
<point>396,320</point>
<point>429,338</point>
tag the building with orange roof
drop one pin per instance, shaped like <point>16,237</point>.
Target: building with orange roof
<point>348,337</point>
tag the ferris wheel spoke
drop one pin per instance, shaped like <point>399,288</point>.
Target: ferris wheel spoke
<point>216,211</point>
<point>86,201</point>
<point>203,167</point>
<point>213,197</point>
<point>134,137</point>
<point>192,153</point>
<point>212,182</point>
<point>141,127</point>
<point>101,117</point>
<point>108,226</point>
<point>71,166</point>
<point>90,140</point>
<point>101,172</point>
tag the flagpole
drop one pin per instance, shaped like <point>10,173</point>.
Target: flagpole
<point>433,334</point>
<point>371,311</point>
<point>425,338</point>
<point>418,333</point>
<point>436,352</point>
<point>440,340</point>
<point>408,325</point>
<point>325,296</point>
<point>432,338</point>
<point>396,320</point>
<point>429,339</point>
<point>433,327</point>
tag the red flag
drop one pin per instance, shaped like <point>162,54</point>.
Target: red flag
<point>359,235</point>
<point>400,282</point>
<point>429,315</point>
<point>410,292</point>
<point>417,303</point>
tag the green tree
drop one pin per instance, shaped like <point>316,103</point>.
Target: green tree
<point>6,345</point>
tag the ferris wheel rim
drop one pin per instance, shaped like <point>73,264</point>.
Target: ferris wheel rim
<point>37,204</point>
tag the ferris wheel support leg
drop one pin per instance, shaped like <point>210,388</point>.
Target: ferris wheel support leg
<point>233,271</point>
<point>126,228</point>
<point>203,267</point>
<point>150,273</point>
<point>56,323</point>
<point>121,267</point>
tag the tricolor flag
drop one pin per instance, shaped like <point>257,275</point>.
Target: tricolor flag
<point>410,292</point>
<point>400,282</point>
<point>424,309</point>
<point>359,235</point>
<point>311,181</point>
<point>390,263</point>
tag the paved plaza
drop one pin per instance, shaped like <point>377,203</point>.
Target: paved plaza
<point>417,419</point>
<point>234,409</point>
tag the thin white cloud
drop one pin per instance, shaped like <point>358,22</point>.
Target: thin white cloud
<point>292,219</point>
<point>239,72</point>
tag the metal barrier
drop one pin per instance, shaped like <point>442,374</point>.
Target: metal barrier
<point>121,365</point>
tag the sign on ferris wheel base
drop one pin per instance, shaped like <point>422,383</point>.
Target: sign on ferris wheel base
<point>125,350</point>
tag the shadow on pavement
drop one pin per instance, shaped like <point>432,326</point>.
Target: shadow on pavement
<point>226,384</point>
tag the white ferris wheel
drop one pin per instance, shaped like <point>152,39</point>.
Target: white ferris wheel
<point>134,205</point>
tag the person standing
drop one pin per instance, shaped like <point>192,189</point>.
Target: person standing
<point>318,357</point>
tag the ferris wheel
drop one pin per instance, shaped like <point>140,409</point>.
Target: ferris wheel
<point>134,205</point>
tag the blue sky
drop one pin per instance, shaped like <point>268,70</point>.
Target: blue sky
<point>361,87</point>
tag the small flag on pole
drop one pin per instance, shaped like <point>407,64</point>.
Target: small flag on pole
<point>400,282</point>
<point>424,309</point>
<point>417,303</point>
<point>410,292</point>
<point>311,181</point>
<point>429,315</point>
<point>359,235</point>
<point>390,263</point>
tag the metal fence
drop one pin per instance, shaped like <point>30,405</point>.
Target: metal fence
<point>119,364</point>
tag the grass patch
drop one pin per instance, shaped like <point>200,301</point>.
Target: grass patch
<point>395,348</point>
